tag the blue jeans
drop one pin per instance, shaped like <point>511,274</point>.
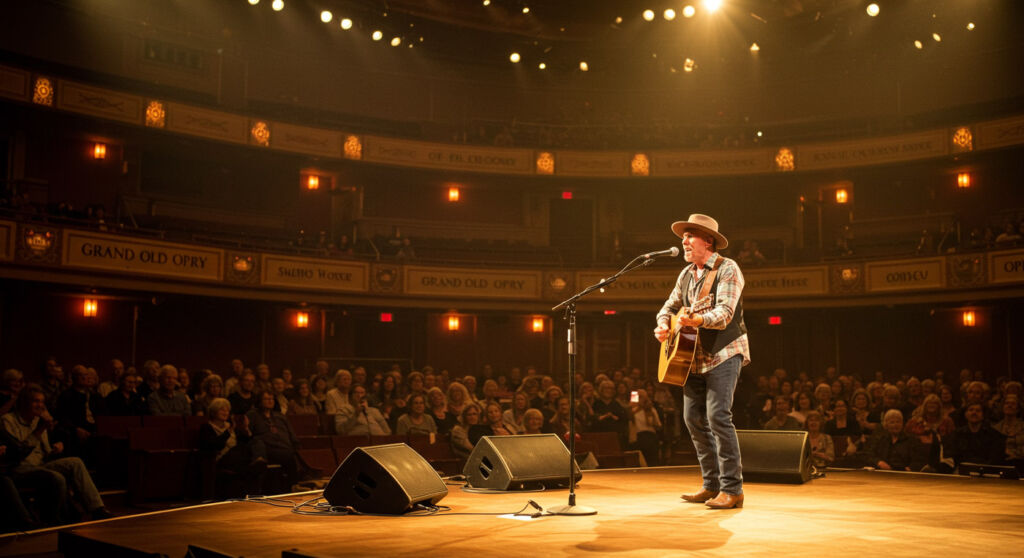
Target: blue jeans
<point>707,409</point>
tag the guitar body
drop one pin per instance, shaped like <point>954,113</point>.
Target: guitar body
<point>676,356</point>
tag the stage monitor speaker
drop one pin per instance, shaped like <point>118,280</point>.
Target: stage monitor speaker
<point>389,479</point>
<point>519,463</point>
<point>775,456</point>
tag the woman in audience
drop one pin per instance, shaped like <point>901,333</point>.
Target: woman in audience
<point>211,388</point>
<point>443,418</point>
<point>271,428</point>
<point>927,421</point>
<point>337,397</point>
<point>644,424</point>
<point>387,391</point>
<point>842,424</point>
<point>915,392</point>
<point>823,400</point>
<point>235,450</point>
<point>359,418</point>
<point>551,396</point>
<point>490,393</point>
<point>458,398</point>
<point>303,403</point>
<point>469,418</point>
<point>417,420</point>
<point>585,404</point>
<point>1012,427</point>
<point>318,391</point>
<point>559,424</point>
<point>860,404</point>
<point>948,400</point>
<point>802,407</point>
<point>415,383</point>
<point>185,384</point>
<point>277,387</point>
<point>609,415</point>
<point>823,451</point>
<point>517,412</point>
<point>492,425</point>
<point>533,422</point>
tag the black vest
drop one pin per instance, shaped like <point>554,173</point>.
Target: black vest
<point>714,340</point>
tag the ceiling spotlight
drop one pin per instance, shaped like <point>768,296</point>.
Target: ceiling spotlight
<point>277,5</point>
<point>918,45</point>
<point>395,41</point>
<point>755,48</point>
<point>526,9</point>
<point>648,15</point>
<point>937,37</point>
<point>712,5</point>
<point>377,35</point>
<point>487,3</point>
<point>970,26</point>
<point>326,16</point>
<point>670,14</point>
<point>618,20</point>
<point>542,66</point>
<point>689,11</point>
<point>872,9</point>
<point>514,57</point>
<point>689,65</point>
<point>253,2</point>
<point>346,23</point>
<point>760,134</point>
<point>584,67</point>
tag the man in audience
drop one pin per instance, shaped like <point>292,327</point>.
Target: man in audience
<point>76,411</point>
<point>13,383</point>
<point>167,400</point>
<point>262,378</point>
<point>358,417</point>
<point>53,381</point>
<point>243,399</point>
<point>976,441</point>
<point>237,370</point>
<point>42,463</point>
<point>126,401</point>
<point>115,371</point>
<point>975,394</point>
<point>359,376</point>
<point>895,450</point>
<point>782,420</point>
<point>150,379</point>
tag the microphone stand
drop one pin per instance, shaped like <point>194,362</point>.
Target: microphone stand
<point>570,314</point>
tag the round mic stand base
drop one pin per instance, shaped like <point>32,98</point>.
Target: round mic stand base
<point>572,510</point>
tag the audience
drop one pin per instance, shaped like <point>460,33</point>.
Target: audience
<point>235,450</point>
<point>417,420</point>
<point>270,428</point>
<point>167,400</point>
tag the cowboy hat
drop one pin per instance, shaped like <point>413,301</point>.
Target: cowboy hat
<point>704,224</point>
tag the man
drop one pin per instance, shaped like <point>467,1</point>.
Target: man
<point>975,393</point>
<point>782,419</point>
<point>126,401</point>
<point>243,399</point>
<point>237,369</point>
<point>722,349</point>
<point>167,400</point>
<point>976,441</point>
<point>116,370</point>
<point>359,418</point>
<point>76,411</point>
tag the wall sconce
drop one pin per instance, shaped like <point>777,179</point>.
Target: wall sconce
<point>99,151</point>
<point>969,318</point>
<point>302,320</point>
<point>842,195</point>
<point>90,307</point>
<point>538,325</point>
<point>312,182</point>
<point>454,193</point>
<point>963,180</point>
<point>453,323</point>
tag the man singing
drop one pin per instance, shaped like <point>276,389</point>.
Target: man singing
<point>722,348</point>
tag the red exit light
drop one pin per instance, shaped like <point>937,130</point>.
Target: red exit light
<point>567,195</point>
<point>774,320</point>
<point>386,317</point>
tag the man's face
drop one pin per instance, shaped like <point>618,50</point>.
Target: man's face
<point>695,247</point>
<point>168,381</point>
<point>236,366</point>
<point>247,383</point>
<point>38,406</point>
<point>975,393</point>
<point>358,393</point>
<point>974,414</point>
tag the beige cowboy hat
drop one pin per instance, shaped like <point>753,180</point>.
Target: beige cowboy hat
<point>704,224</point>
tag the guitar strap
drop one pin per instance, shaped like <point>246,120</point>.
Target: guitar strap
<point>709,280</point>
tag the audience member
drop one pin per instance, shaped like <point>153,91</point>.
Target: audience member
<point>244,398</point>
<point>1012,427</point>
<point>417,420</point>
<point>894,449</point>
<point>458,398</point>
<point>237,370</point>
<point>493,425</point>
<point>338,396</point>
<point>115,369</point>
<point>975,393</point>
<point>533,422</point>
<point>126,401</point>
<point>469,418</point>
<point>823,451</point>
<point>13,382</point>
<point>609,415</point>
<point>443,418</point>
<point>357,417</point>
<point>644,424</point>
<point>976,441</point>
<point>277,388</point>
<point>234,449</point>
<point>303,403</point>
<point>514,415</point>
<point>167,400</point>
<point>212,387</point>
<point>272,429</point>
<point>783,418</point>
<point>53,381</point>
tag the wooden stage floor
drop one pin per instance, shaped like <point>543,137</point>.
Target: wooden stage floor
<point>846,513</point>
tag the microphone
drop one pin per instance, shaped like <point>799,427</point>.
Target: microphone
<point>673,252</point>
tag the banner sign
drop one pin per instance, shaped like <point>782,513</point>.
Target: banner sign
<point>705,163</point>
<point>872,151</point>
<point>14,83</point>
<point>791,282</point>
<point>475,283</point>
<point>1006,267</point>
<point>634,286</point>
<point>314,274</point>
<point>1000,133</point>
<point>905,275</point>
<point>447,156</point>
<point>207,123</point>
<point>120,254</point>
<point>7,236</point>
<point>100,102</point>
<point>592,163</point>
<point>303,139</point>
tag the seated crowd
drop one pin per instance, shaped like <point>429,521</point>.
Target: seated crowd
<point>931,425</point>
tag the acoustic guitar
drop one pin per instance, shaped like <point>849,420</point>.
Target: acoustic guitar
<point>677,353</point>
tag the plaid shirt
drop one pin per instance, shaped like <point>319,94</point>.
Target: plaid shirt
<point>730,287</point>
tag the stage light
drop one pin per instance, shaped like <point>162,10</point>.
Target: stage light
<point>377,35</point>
<point>90,307</point>
<point>872,9</point>
<point>454,193</point>
<point>936,37</point>
<point>526,9</point>
<point>584,67</point>
<point>514,57</point>
<point>689,65</point>
<point>963,180</point>
<point>453,323</point>
<point>542,66</point>
<point>302,320</point>
<point>253,2</point>
<point>277,5</point>
<point>326,16</point>
<point>618,20</point>
<point>346,23</point>
<point>538,325</point>
<point>755,48</point>
<point>99,151</point>
<point>670,14</point>
<point>648,15</point>
<point>969,319</point>
<point>970,26</point>
<point>487,3</point>
<point>918,45</point>
<point>712,5</point>
<point>842,196</point>
<point>760,134</point>
<point>395,41</point>
<point>689,11</point>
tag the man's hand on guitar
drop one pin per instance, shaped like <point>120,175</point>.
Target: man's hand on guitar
<point>661,333</point>
<point>690,320</point>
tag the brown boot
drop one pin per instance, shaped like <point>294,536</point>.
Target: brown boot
<point>725,501</point>
<point>700,497</point>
